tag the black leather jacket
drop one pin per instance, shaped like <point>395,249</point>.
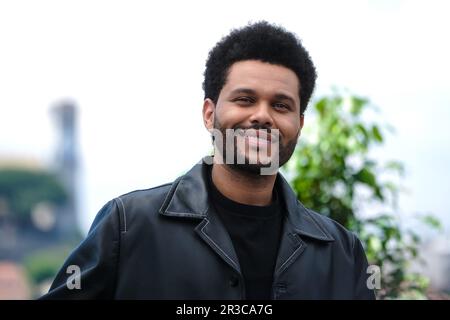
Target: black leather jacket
<point>168,243</point>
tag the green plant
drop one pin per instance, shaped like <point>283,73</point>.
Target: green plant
<point>334,173</point>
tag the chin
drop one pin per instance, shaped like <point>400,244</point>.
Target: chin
<point>253,168</point>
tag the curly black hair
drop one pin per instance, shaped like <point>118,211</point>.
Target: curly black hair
<point>267,43</point>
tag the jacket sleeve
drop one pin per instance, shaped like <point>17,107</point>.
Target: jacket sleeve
<point>362,291</point>
<point>90,270</point>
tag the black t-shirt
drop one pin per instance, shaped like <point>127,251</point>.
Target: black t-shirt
<point>255,232</point>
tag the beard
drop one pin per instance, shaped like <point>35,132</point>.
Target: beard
<point>227,144</point>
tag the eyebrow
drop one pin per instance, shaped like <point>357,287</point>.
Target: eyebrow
<point>243,90</point>
<point>281,96</point>
<point>278,96</point>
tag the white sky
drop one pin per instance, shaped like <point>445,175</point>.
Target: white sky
<point>135,70</point>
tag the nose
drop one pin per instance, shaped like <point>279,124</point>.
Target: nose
<point>261,115</point>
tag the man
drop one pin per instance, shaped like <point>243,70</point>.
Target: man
<point>231,228</point>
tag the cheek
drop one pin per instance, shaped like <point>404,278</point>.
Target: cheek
<point>289,128</point>
<point>229,115</point>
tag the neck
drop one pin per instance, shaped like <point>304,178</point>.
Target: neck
<point>246,188</point>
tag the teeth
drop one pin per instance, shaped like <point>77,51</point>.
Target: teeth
<point>258,135</point>
<point>258,140</point>
<point>262,135</point>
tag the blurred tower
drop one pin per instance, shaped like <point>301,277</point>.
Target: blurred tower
<point>66,163</point>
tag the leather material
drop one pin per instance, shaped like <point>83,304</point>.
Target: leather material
<point>168,243</point>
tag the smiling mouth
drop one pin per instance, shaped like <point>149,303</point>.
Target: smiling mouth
<point>260,136</point>
<point>255,141</point>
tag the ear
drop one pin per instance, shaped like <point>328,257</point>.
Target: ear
<point>208,114</point>
<point>302,121</point>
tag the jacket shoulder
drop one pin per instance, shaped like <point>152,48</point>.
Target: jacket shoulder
<point>339,233</point>
<point>150,194</point>
<point>137,205</point>
<point>145,198</point>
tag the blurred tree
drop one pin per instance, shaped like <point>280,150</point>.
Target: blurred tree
<point>23,189</point>
<point>333,173</point>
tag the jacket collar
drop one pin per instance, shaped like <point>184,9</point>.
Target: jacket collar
<point>188,198</point>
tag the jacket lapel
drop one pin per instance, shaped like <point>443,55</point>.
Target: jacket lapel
<point>188,198</point>
<point>213,232</point>
<point>290,248</point>
<point>299,224</point>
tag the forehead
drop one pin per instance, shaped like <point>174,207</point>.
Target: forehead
<point>262,76</point>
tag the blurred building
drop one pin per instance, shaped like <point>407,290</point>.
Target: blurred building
<point>49,222</point>
<point>13,282</point>
<point>66,162</point>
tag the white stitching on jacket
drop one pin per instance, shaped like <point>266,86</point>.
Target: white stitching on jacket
<point>124,215</point>
<point>290,257</point>
<point>207,221</point>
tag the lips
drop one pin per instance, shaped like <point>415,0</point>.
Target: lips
<point>257,138</point>
<point>259,135</point>
<point>257,141</point>
<point>262,136</point>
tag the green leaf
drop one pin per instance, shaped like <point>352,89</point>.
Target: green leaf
<point>320,106</point>
<point>377,134</point>
<point>367,177</point>
<point>357,105</point>
<point>432,222</point>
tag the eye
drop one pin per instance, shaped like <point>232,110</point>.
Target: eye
<point>281,106</point>
<point>244,100</point>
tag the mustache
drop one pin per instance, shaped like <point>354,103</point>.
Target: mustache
<point>254,127</point>
<point>273,134</point>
